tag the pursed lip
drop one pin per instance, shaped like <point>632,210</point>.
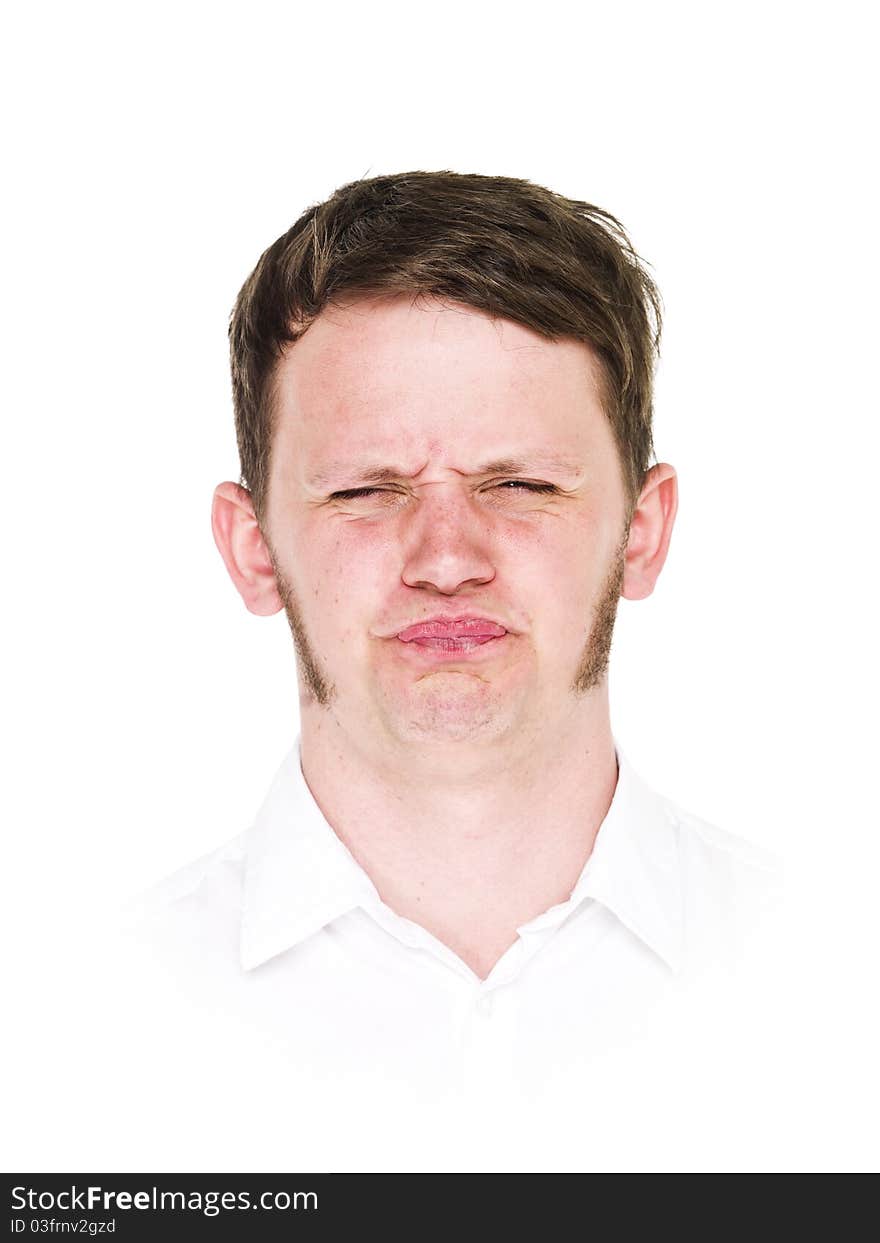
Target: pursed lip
<point>452,628</point>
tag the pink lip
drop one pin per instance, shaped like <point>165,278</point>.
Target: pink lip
<point>477,628</point>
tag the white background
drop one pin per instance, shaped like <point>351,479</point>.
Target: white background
<point>153,152</point>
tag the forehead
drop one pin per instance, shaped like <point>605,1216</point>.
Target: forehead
<point>431,380</point>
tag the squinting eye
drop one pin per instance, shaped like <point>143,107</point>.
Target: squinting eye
<point>354,493</point>
<point>532,487</point>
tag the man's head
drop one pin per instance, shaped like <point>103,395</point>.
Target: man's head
<point>501,245</point>
<point>485,348</point>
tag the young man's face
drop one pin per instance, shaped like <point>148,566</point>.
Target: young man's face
<point>443,397</point>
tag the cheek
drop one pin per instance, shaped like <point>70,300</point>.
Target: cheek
<point>349,573</point>
<point>560,570</point>
<point>551,549</point>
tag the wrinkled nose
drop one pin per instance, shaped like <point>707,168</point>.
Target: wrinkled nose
<point>447,541</point>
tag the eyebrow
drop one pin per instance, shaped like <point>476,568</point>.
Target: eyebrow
<point>499,466</point>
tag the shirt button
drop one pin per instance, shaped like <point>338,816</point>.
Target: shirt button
<point>484,1006</point>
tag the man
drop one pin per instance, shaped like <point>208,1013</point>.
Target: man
<point>443,401</point>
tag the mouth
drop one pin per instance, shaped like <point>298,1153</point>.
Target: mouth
<point>456,628</point>
<point>462,647</point>
<point>451,638</point>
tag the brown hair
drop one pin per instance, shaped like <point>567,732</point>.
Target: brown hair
<point>502,245</point>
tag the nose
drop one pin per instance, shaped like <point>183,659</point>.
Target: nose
<point>447,540</point>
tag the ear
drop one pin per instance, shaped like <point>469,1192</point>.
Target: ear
<point>650,532</point>
<point>237,535</point>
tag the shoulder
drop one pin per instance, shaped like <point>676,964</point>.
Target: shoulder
<point>731,887</point>
<point>199,901</point>
<point>728,856</point>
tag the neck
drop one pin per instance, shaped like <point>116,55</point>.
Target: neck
<point>470,851</point>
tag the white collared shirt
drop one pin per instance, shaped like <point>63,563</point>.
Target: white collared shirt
<point>281,936</point>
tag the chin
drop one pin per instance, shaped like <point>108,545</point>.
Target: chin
<point>442,717</point>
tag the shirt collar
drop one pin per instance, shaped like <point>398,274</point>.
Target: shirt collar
<point>299,876</point>
<point>634,868</point>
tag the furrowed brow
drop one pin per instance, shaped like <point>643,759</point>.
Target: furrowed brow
<point>374,474</point>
